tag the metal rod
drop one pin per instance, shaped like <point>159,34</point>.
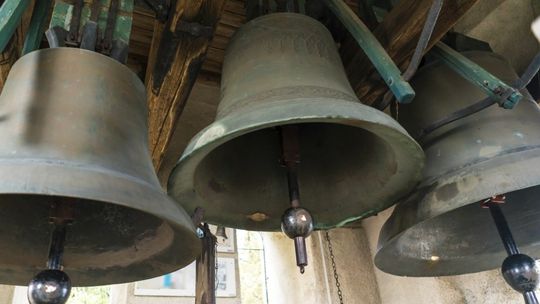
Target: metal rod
<point>518,269</point>
<point>291,158</point>
<point>11,12</point>
<point>294,193</point>
<point>109,28</point>
<point>518,84</point>
<point>37,26</point>
<point>530,297</point>
<point>502,227</point>
<point>374,50</point>
<point>290,145</point>
<point>459,114</point>
<point>56,249</point>
<point>423,41</point>
<point>301,253</point>
<point>75,21</point>
<point>505,95</point>
<point>527,76</point>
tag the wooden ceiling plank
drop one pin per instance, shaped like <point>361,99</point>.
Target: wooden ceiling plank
<point>399,33</point>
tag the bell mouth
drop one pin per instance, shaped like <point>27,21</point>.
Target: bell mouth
<point>441,229</point>
<point>124,229</point>
<point>105,244</point>
<point>355,161</point>
<point>464,240</point>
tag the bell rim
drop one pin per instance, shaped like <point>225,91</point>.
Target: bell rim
<point>515,163</point>
<point>81,52</point>
<point>184,234</point>
<point>336,111</point>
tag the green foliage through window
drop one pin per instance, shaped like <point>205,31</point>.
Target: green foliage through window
<point>90,295</point>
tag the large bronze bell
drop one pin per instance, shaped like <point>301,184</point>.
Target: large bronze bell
<point>73,125</point>
<point>284,70</point>
<point>442,229</point>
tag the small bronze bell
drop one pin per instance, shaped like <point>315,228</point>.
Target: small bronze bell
<point>282,70</point>
<point>441,228</point>
<point>73,125</point>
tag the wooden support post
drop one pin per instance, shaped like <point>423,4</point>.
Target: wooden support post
<point>398,33</point>
<point>178,49</point>
<point>206,269</point>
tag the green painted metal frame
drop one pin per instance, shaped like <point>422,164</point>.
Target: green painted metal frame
<point>37,26</point>
<point>11,12</point>
<point>505,95</point>
<point>62,14</point>
<point>374,50</point>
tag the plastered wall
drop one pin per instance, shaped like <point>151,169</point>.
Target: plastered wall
<point>317,285</point>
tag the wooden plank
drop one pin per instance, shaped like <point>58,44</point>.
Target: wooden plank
<point>168,92</point>
<point>235,6</point>
<point>399,33</point>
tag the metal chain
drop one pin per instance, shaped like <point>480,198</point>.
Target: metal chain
<point>334,268</point>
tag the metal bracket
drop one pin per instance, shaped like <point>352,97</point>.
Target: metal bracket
<point>169,44</point>
<point>98,25</point>
<point>505,95</point>
<point>160,7</point>
<point>195,29</point>
<point>374,50</point>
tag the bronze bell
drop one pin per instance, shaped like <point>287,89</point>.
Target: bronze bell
<point>283,70</point>
<point>73,125</point>
<point>441,228</point>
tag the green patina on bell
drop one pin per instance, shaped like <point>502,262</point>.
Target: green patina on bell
<point>283,69</point>
<point>73,125</point>
<point>441,228</point>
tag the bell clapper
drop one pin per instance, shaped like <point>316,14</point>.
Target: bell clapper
<point>519,270</point>
<point>53,286</point>
<point>296,222</point>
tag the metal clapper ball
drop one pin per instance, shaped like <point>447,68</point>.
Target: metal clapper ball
<point>296,222</point>
<point>53,286</point>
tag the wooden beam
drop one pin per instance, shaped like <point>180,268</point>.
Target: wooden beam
<point>205,291</point>
<point>175,60</point>
<point>399,33</point>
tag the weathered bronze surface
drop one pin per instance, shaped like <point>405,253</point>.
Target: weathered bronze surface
<point>73,127</point>
<point>283,69</point>
<point>441,229</point>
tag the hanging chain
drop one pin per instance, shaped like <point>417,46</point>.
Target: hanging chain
<point>334,268</point>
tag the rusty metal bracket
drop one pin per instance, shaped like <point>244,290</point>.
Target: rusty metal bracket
<point>373,49</point>
<point>98,25</point>
<point>73,37</point>
<point>160,7</point>
<point>106,43</point>
<point>195,29</point>
<point>170,42</point>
